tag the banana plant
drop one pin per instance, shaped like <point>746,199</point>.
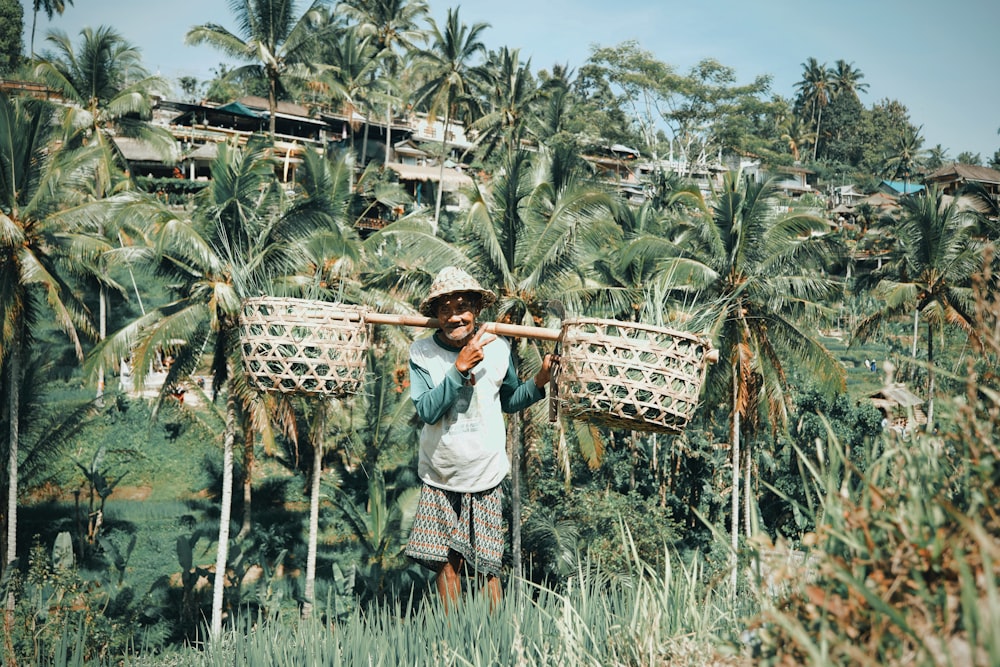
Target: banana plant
<point>381,527</point>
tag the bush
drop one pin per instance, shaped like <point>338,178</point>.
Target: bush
<point>907,569</point>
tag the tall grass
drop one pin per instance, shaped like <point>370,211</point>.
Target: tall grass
<point>907,558</point>
<point>644,617</point>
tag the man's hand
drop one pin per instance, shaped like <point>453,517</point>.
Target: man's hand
<point>472,353</point>
<point>542,377</point>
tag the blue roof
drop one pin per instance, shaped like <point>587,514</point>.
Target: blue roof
<point>238,109</point>
<point>903,187</point>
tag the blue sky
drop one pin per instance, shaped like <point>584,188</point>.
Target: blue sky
<point>941,60</point>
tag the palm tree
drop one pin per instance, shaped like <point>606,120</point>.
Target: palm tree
<point>511,96</point>
<point>108,91</point>
<point>393,25</point>
<point>988,205</point>
<point>38,183</point>
<point>905,156</point>
<point>450,78</point>
<point>847,79</point>
<point>269,37</point>
<point>231,247</point>
<point>814,93</point>
<point>630,271</point>
<point>932,275</point>
<point>349,78</point>
<point>936,156</point>
<point>797,135</point>
<point>556,105</point>
<point>329,262</point>
<point>752,273</point>
<point>51,7</point>
<point>245,238</point>
<point>110,95</point>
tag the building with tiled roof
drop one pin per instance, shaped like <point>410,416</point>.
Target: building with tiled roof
<point>952,177</point>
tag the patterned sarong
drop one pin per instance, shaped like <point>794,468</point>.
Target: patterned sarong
<point>469,523</point>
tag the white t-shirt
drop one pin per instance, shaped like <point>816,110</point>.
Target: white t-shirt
<point>465,451</point>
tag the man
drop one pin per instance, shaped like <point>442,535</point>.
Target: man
<point>461,381</point>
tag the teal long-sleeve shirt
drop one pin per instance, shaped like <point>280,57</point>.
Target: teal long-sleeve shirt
<point>433,402</point>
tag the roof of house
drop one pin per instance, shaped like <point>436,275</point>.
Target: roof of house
<point>239,109</point>
<point>964,172</point>
<point>137,150</point>
<point>897,394</point>
<point>903,187</point>
<point>628,152</point>
<point>286,108</point>
<point>793,169</point>
<point>407,147</point>
<point>206,151</point>
<point>880,199</point>
<point>848,190</point>
<point>453,179</point>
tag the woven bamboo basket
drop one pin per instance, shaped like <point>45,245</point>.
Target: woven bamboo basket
<point>631,375</point>
<point>299,346</point>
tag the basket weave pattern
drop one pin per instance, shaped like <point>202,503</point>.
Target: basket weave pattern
<point>631,375</point>
<point>298,346</point>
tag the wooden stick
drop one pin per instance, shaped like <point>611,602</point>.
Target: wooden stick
<point>499,328</point>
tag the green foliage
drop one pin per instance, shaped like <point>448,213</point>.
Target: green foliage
<point>906,566</point>
<point>608,587</point>
<point>148,449</point>
<point>175,191</point>
<point>563,523</point>
<point>841,139</point>
<point>57,606</point>
<point>905,556</point>
<point>882,130</point>
<point>380,528</point>
<point>968,157</point>
<point>647,616</point>
<point>11,29</point>
<point>790,504</point>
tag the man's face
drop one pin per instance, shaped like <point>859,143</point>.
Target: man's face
<point>456,314</point>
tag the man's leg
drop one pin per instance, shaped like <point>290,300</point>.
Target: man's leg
<point>494,590</point>
<point>449,582</point>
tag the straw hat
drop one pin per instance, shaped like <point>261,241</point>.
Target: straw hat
<point>452,280</point>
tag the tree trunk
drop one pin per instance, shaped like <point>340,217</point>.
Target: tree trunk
<point>634,455</point>
<point>819,117</point>
<point>916,331</point>
<point>444,154</point>
<point>14,405</point>
<point>319,428</point>
<point>103,324</point>
<point>747,495</point>
<point>388,133</point>
<point>735,510</point>
<point>930,378</point>
<point>272,103</point>
<point>225,512</point>
<point>249,462</point>
<point>364,144</point>
<point>514,445</point>
<point>34,24</point>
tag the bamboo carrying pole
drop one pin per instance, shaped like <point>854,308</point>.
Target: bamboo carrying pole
<point>499,328</point>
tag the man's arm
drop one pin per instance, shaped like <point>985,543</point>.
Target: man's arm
<point>433,402</point>
<point>516,395</point>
